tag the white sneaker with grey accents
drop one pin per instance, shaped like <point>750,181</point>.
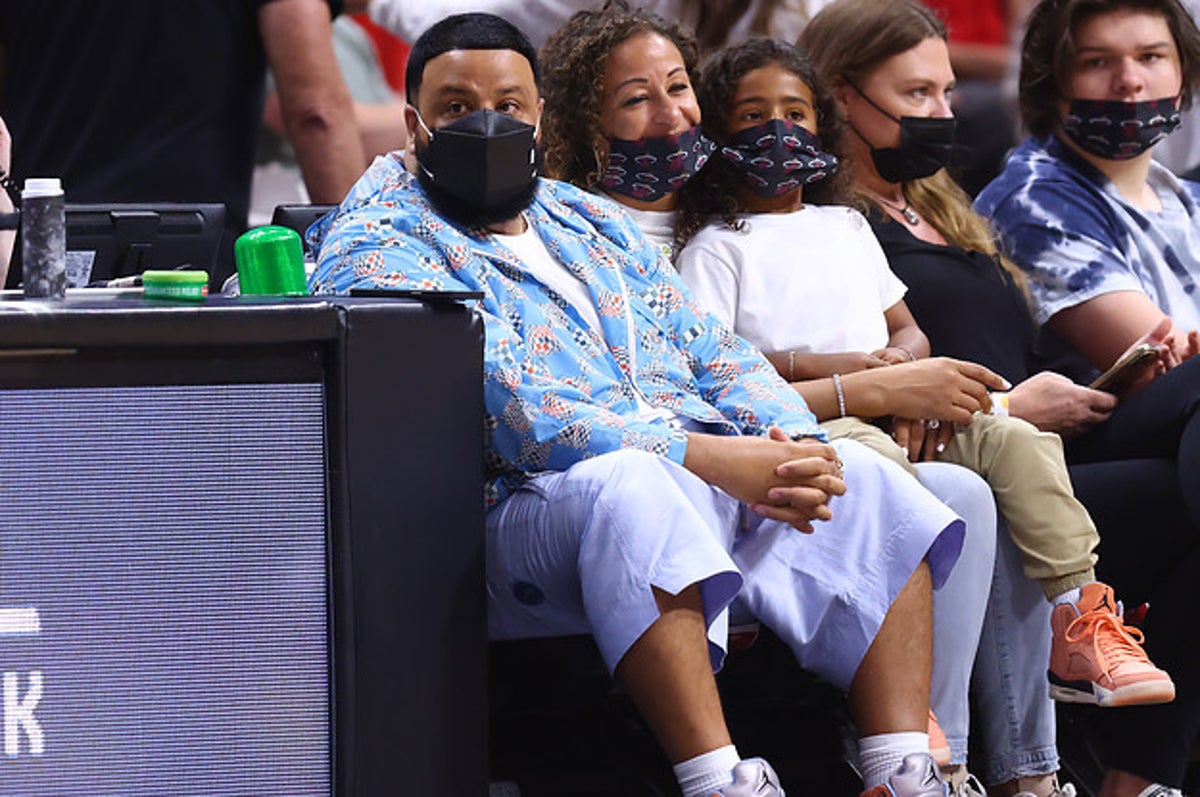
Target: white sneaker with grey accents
<point>1158,790</point>
<point>970,787</point>
<point>752,777</point>
<point>1065,790</point>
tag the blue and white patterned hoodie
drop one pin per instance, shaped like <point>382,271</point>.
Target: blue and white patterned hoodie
<point>556,391</point>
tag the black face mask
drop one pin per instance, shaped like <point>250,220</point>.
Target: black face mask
<point>480,169</point>
<point>926,144</point>
<point>1119,130</point>
<point>777,157</point>
<point>651,168</point>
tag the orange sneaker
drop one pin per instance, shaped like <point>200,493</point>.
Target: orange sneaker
<point>1096,658</point>
<point>939,747</point>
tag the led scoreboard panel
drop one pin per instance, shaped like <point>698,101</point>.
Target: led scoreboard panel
<point>163,606</point>
<point>227,564</point>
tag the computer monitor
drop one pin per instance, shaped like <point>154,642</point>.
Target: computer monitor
<point>117,240</point>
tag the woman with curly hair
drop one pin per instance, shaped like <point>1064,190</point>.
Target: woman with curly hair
<point>621,119</point>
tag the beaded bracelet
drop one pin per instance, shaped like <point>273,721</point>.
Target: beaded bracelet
<point>841,395</point>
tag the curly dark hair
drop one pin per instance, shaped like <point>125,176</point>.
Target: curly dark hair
<point>714,191</point>
<point>573,61</point>
<point>1049,48</point>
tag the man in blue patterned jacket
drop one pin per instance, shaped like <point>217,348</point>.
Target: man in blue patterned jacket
<point>646,466</point>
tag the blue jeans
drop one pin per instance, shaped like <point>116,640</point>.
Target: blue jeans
<point>960,605</point>
<point>1010,687</point>
<point>991,637</point>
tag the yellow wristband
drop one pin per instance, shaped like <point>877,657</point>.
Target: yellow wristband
<point>999,404</point>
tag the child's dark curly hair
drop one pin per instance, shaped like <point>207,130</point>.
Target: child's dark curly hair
<point>713,192</point>
<point>573,61</point>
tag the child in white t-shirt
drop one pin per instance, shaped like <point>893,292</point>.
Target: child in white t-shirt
<point>810,286</point>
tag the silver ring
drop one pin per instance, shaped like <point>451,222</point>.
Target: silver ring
<point>932,424</point>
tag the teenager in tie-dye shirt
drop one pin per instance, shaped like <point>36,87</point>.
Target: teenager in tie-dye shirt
<point>1109,242</point>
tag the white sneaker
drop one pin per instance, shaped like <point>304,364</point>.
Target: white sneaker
<point>970,787</point>
<point>918,776</point>
<point>1158,790</point>
<point>752,777</point>
<point>1065,790</point>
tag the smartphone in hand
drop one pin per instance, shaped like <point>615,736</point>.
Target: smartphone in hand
<point>1127,369</point>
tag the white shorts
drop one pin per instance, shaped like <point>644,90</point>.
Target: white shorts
<point>578,552</point>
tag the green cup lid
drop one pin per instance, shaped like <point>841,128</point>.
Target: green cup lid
<point>175,277</point>
<point>270,261</point>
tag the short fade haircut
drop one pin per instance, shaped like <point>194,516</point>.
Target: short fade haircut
<point>472,31</point>
<point>1048,51</point>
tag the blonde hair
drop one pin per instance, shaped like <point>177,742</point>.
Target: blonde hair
<point>850,39</point>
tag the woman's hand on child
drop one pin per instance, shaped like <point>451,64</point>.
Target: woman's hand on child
<point>797,366</point>
<point>937,388</point>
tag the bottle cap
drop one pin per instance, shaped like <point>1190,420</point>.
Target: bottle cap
<point>42,186</point>
<point>186,285</point>
<point>270,262</point>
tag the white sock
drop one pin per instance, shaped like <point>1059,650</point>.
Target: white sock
<point>881,755</point>
<point>1071,596</point>
<point>700,775</point>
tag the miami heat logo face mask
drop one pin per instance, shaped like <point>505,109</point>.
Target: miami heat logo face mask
<point>777,157</point>
<point>651,168</point>
<point>1119,130</point>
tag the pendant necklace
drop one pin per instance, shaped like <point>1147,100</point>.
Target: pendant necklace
<point>907,212</point>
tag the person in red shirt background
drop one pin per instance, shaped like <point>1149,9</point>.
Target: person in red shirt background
<point>391,49</point>
<point>981,32</point>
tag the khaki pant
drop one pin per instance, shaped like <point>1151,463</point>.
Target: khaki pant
<point>1027,473</point>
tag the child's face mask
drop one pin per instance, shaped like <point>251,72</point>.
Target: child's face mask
<point>777,157</point>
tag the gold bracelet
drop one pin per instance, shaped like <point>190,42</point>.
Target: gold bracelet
<point>791,365</point>
<point>841,395</point>
<point>912,358</point>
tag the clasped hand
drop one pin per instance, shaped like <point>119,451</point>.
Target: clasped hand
<point>792,481</point>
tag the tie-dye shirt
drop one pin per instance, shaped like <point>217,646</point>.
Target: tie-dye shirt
<point>1076,238</point>
<point>556,390</point>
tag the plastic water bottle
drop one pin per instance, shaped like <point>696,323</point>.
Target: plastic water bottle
<point>43,239</point>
